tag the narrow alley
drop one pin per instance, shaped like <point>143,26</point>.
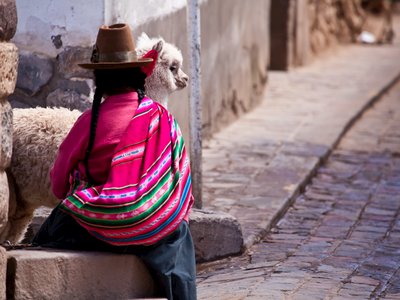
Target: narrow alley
<point>340,238</point>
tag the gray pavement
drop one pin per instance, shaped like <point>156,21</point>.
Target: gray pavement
<point>339,238</point>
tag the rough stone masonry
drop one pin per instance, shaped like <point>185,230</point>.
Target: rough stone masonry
<point>8,78</point>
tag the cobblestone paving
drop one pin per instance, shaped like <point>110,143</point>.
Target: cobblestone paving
<point>284,140</point>
<point>341,237</point>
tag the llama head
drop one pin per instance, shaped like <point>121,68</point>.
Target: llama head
<point>167,76</point>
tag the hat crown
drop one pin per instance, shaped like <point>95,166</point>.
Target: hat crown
<point>115,49</point>
<point>114,38</point>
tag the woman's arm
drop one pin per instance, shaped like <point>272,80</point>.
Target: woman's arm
<point>70,152</point>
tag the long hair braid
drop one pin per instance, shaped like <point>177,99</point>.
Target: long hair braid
<point>139,81</point>
<point>98,95</point>
<point>141,93</point>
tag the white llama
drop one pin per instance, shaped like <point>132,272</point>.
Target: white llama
<point>39,131</point>
<point>167,76</point>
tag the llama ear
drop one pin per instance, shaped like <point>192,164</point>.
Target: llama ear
<point>159,46</point>
<point>143,37</point>
<point>150,67</point>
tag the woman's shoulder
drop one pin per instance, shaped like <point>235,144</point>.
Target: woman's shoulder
<point>148,103</point>
<point>82,121</point>
<point>85,116</point>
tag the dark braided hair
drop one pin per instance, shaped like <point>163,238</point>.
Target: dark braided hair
<point>111,82</point>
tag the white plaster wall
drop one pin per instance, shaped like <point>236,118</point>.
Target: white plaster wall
<point>78,21</point>
<point>137,12</point>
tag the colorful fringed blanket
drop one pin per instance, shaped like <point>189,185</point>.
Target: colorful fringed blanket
<point>148,191</point>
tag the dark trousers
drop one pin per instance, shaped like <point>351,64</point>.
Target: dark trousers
<point>171,261</point>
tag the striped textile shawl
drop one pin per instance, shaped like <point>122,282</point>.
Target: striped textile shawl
<point>148,191</point>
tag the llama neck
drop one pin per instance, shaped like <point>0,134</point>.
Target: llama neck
<point>158,95</point>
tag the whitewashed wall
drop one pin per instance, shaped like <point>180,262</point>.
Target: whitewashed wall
<point>138,12</point>
<point>78,21</point>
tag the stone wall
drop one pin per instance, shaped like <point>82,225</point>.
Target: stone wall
<point>53,81</point>
<point>333,21</point>
<point>343,21</point>
<point>8,76</point>
<point>302,29</point>
<point>235,57</point>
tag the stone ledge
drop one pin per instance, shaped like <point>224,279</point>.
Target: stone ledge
<point>215,234</point>
<point>49,274</point>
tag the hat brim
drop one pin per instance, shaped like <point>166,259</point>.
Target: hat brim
<point>117,65</point>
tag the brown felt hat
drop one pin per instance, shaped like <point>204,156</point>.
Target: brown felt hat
<point>115,49</point>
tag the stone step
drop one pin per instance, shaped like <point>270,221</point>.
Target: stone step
<point>215,234</point>
<point>51,274</point>
<point>58,274</point>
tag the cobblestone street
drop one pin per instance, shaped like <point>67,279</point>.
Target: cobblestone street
<point>340,238</point>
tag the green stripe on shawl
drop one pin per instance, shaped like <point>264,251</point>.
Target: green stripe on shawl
<point>129,221</point>
<point>127,207</point>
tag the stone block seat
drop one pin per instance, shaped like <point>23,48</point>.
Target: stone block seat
<point>55,274</point>
<point>39,273</point>
<point>215,234</point>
